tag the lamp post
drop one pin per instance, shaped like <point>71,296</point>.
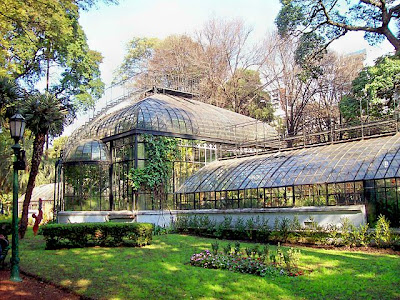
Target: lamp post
<point>17,127</point>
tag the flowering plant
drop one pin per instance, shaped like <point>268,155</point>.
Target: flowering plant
<point>237,262</point>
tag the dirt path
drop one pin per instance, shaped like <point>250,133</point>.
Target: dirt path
<point>31,288</point>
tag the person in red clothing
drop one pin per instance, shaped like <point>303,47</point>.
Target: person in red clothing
<point>38,218</point>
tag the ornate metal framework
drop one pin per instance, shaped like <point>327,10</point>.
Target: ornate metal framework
<point>366,159</point>
<point>256,167</point>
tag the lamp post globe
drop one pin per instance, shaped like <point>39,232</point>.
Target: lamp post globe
<point>17,127</point>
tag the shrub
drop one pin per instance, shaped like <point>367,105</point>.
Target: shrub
<point>364,238</point>
<point>237,248</point>
<point>250,227</point>
<point>215,247</point>
<point>161,230</point>
<point>5,226</point>
<point>223,227</point>
<point>240,228</point>
<point>284,228</point>
<point>96,234</point>
<point>227,249</point>
<point>382,232</point>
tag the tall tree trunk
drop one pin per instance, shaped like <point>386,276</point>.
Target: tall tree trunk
<point>36,159</point>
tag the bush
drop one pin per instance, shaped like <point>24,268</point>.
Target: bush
<point>96,234</point>
<point>5,226</point>
<point>382,232</point>
<point>285,230</point>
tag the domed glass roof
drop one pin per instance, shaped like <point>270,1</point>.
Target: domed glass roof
<point>179,116</point>
<point>89,151</point>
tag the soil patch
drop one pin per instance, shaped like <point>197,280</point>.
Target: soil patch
<point>31,288</point>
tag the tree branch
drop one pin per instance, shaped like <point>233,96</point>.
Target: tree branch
<point>346,26</point>
<point>394,9</point>
<point>373,2</point>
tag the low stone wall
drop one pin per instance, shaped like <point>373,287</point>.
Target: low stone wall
<point>322,215</point>
<point>64,217</point>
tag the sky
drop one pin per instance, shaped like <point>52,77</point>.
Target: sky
<point>109,27</point>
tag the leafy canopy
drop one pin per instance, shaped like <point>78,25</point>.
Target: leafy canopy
<point>377,88</point>
<point>318,23</point>
<point>44,40</point>
<point>139,51</point>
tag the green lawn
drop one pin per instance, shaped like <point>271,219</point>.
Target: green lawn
<point>161,271</point>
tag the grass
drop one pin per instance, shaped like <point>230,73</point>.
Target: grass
<point>161,271</point>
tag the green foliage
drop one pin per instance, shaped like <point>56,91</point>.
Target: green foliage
<point>227,249</point>
<point>318,23</point>
<point>284,228</point>
<point>236,249</point>
<point>96,234</point>
<point>263,111</point>
<point>363,236</point>
<point>244,94</point>
<point>239,264</point>
<point>161,152</point>
<point>376,89</point>
<point>160,230</point>
<point>35,36</point>
<point>240,226</point>
<point>5,225</point>
<point>215,247</point>
<point>9,93</point>
<point>44,114</point>
<point>248,251</point>
<point>254,263</point>
<point>58,145</point>
<point>382,234</point>
<point>287,231</point>
<point>139,51</point>
<point>295,224</point>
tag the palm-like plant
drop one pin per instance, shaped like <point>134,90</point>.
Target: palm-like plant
<point>10,93</point>
<point>44,114</point>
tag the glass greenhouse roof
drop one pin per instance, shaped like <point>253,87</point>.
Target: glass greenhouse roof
<point>89,151</point>
<point>180,116</point>
<point>352,161</point>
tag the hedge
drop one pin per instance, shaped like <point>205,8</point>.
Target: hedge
<point>80,235</point>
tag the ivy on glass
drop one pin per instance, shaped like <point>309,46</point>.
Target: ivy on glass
<point>161,152</point>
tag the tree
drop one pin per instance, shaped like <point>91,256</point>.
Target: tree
<point>218,60</point>
<point>227,56</point>
<point>138,53</point>
<point>286,79</point>
<point>375,92</point>
<point>261,109</point>
<point>319,23</point>
<point>175,62</point>
<point>243,89</point>
<point>337,73</point>
<point>43,114</point>
<point>45,42</point>
<point>41,41</point>
<point>307,98</point>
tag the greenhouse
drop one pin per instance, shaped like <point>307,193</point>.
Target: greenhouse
<point>100,154</point>
<point>360,172</point>
<point>227,164</point>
